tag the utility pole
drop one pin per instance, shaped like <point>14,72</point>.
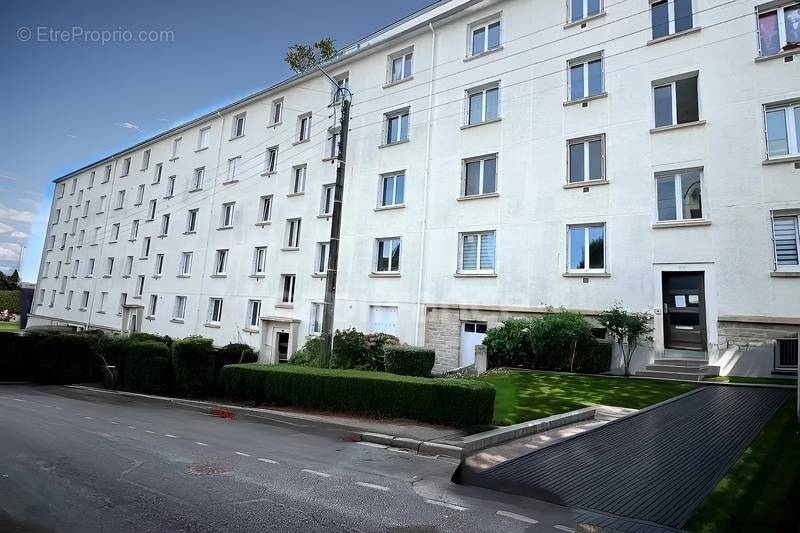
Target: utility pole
<point>326,338</point>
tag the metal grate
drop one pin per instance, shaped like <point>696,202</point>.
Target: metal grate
<point>786,351</point>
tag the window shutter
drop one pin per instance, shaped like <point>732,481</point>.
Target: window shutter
<point>785,235</point>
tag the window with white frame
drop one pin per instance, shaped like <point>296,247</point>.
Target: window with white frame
<point>102,207</point>
<point>342,84</point>
<point>483,104</point>
<point>69,213</point>
<point>392,189</point>
<point>287,288</point>
<point>484,35</point>
<point>185,265</point>
<point>126,167</point>
<point>157,173</point>
<point>786,240</point>
<point>676,102</point>
<point>238,126</point>
<point>326,204</point>
<point>176,148</point>
<point>321,263</point>
<point>480,176</point>
<point>80,198</point>
<point>101,306</point>
<point>586,159</point>
<point>586,248</point>
<point>197,178</point>
<point>220,262</point>
<point>53,298</point>
<point>60,190</point>
<point>782,129</point>
<point>134,230</point>
<point>679,195</point>
<point>146,248</point>
<point>158,267</point>
<point>151,209</point>
<point>68,303</point>
<point>120,199</point>
<point>57,217</point>
<point>179,308</point>
<point>63,288</point>
<point>253,313</point>
<point>778,28</point>
<point>139,285</point>
<point>74,226</point>
<point>214,310</point>
<point>145,159</point>
<point>128,270</point>
<point>46,269</point>
<point>334,137</point>
<point>40,297</point>
<point>259,261</point>
<point>203,138</point>
<point>52,242</point>
<point>304,127</point>
<point>476,252</point>
<point>90,268</point>
<point>81,237</point>
<point>234,165</point>
<point>58,269</point>
<point>401,65</point>
<point>76,266</point>
<point>670,17</point>
<point>585,76</point>
<point>109,266</point>
<point>387,255</point>
<point>114,232</point>
<point>151,308</point>
<point>299,179</point>
<point>315,319</point>
<point>581,9</point>
<point>69,255</point>
<point>74,186</point>
<point>63,240</point>
<point>226,217</point>
<point>123,300</point>
<point>91,179</point>
<point>265,209</point>
<point>396,126</point>
<point>271,160</point>
<point>171,186</point>
<point>276,115</point>
<point>139,195</point>
<point>191,220</point>
<point>164,225</point>
<point>84,300</point>
<point>293,232</point>
<point>106,173</point>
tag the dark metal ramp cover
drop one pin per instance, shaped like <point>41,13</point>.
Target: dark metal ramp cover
<point>656,466</point>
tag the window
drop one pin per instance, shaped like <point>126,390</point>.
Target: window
<point>139,286</point>
<point>334,137</point>
<point>176,147</point>
<point>120,199</point>
<point>157,175</point>
<point>101,308</point>
<point>52,243</point>
<point>253,313</point>
<point>80,198</point>
<point>68,304</point>
<point>126,167</point>
<point>293,233</point>
<point>74,226</point>
<point>581,9</point>
<point>315,320</point>
<point>778,29</point>
<point>276,115</point>
<point>287,282</point>
<point>106,174</point>
<point>484,36</point>
<point>233,168</point>
<point>69,254</point>
<point>783,129</point>
<point>396,127</point>
<point>81,237</point>
<point>670,17</point>
<point>151,307</point>
<point>271,162</point>
<point>476,252</point>
<point>392,190</point>
<point>63,240</point>
<point>586,248</point>
<point>60,190</point>
<point>58,269</point>
<point>74,186</point>
<point>76,266</point>
<point>191,220</point>
<point>185,267</point>
<point>220,262</point>
<point>401,66</point>
<point>63,285</point>
<point>226,220</point>
<point>321,263</point>
<point>145,159</point>
<point>91,180</point>
<point>304,128</point>
<point>214,310</point>
<point>387,255</point>
<point>675,102</point>
<point>85,209</point>
<point>128,266</point>
<point>480,176</point>
<point>197,180</point>
<point>134,230</point>
<point>265,209</point>
<point>146,248</point>
<point>90,268</point>
<point>109,266</point>
<point>114,232</point>
<point>151,211</point>
<point>259,261</point>
<point>69,213</point>
<point>57,218</point>
<point>299,179</point>
<point>238,126</point>
<point>102,207</point>
<point>158,269</point>
<point>679,195</point>
<point>179,309</point>
<point>786,240</point>
<point>483,104</point>
<point>586,159</point>
<point>53,299</point>
<point>123,300</point>
<point>164,225</point>
<point>40,297</point>
<point>326,205</point>
<point>45,269</point>
<point>342,83</point>
<point>170,187</point>
<point>585,76</point>
<point>84,300</point>
<point>202,141</point>
<point>140,195</point>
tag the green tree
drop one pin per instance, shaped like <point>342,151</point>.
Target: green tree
<point>301,57</point>
<point>629,329</point>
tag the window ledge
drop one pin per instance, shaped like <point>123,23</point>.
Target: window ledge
<point>581,184</point>
<point>290,249</point>
<point>149,219</point>
<point>176,320</point>
<point>325,215</point>
<point>794,158</point>
<point>150,317</point>
<point>586,99</point>
<point>301,142</point>
<point>88,276</point>
<point>267,223</point>
<point>236,137</point>
<point>328,159</point>
<point>174,158</point>
<point>674,35</point>
<point>79,309</point>
<point>584,20</point>
<point>785,53</point>
<point>195,189</point>
<point>131,240</point>
<point>126,276</point>
<point>293,194</point>
<point>230,182</point>
<point>586,275</point>
<point>224,228</point>
<point>475,275</point>
<point>156,276</point>
<point>284,306</point>
<point>257,276</point>
<point>155,183</point>
<point>100,312</point>
<point>678,126</point>
<point>219,275</point>
<point>183,276</point>
<point>477,196</point>
<point>384,274</point>
<point>785,274</point>
<point>389,207</point>
<point>250,330</point>
<point>215,325</point>
<point>144,258</point>
<point>167,197</point>
<point>163,235</point>
<point>397,82</point>
<point>682,223</point>
<point>275,124</point>
<point>268,173</point>
<point>189,232</point>
<point>318,275</point>
<point>106,276</point>
<point>387,145</point>
<point>476,124</point>
<point>201,149</point>
<point>483,54</point>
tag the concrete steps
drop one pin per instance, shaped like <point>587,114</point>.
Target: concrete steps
<point>692,369</point>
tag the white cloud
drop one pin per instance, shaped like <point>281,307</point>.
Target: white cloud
<point>14,215</point>
<point>71,136</point>
<point>128,126</point>
<point>8,252</point>
<point>162,119</point>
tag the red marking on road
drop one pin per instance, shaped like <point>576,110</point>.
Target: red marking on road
<point>222,413</point>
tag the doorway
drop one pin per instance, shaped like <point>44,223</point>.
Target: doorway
<point>282,344</point>
<point>472,334</point>
<point>684,311</point>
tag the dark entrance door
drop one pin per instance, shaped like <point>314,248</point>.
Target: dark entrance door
<point>283,347</point>
<point>684,311</point>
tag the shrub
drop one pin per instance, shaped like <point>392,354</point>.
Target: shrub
<point>456,402</point>
<point>409,360</point>
<point>141,336</point>
<point>66,358</point>
<point>597,360</point>
<point>559,339</point>
<point>235,353</point>
<point>349,349</point>
<point>147,367</point>
<point>194,363</point>
<point>16,359</point>
<point>10,300</point>
<point>375,345</point>
<point>113,349</point>
<point>509,344</point>
<point>308,355</point>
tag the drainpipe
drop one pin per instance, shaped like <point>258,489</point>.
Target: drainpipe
<point>425,184</point>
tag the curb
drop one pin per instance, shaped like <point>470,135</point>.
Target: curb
<point>429,448</point>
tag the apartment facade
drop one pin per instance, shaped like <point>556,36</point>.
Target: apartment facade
<point>504,157</point>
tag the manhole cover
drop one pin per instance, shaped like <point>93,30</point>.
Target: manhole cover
<point>204,470</point>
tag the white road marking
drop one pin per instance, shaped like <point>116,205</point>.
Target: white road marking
<point>321,474</point>
<point>242,454</point>
<point>18,400</point>
<point>148,431</point>
<point>131,427</point>
<point>448,505</point>
<point>170,436</point>
<point>201,443</point>
<point>115,423</point>
<point>88,418</point>
<point>270,461</point>
<point>372,444</point>
<point>564,528</point>
<point>519,517</point>
<point>371,486</point>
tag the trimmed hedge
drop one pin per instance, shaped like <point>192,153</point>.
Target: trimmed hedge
<point>409,360</point>
<point>10,300</point>
<point>454,402</point>
<point>147,368</point>
<point>194,363</point>
<point>67,358</point>
<point>16,357</point>
<point>235,353</point>
<point>596,362</point>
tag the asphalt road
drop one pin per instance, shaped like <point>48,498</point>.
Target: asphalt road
<point>72,462</point>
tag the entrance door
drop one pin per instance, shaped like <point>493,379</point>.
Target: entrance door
<point>134,326</point>
<point>684,311</point>
<point>282,343</point>
<point>472,334</point>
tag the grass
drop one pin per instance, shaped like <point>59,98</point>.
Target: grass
<point>523,396</point>
<point>760,492</point>
<point>9,326</point>
<point>763,381</point>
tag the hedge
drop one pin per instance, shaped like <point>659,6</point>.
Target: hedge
<point>16,357</point>
<point>233,354</point>
<point>596,362</point>
<point>10,300</point>
<point>409,360</point>
<point>454,402</point>
<point>147,368</point>
<point>49,357</point>
<point>193,361</point>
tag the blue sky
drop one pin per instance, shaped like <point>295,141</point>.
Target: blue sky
<point>66,103</point>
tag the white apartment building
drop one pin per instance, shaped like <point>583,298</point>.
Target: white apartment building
<point>504,156</point>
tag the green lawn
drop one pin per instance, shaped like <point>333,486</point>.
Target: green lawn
<point>523,396</point>
<point>764,381</point>
<point>9,326</point>
<point>760,492</point>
